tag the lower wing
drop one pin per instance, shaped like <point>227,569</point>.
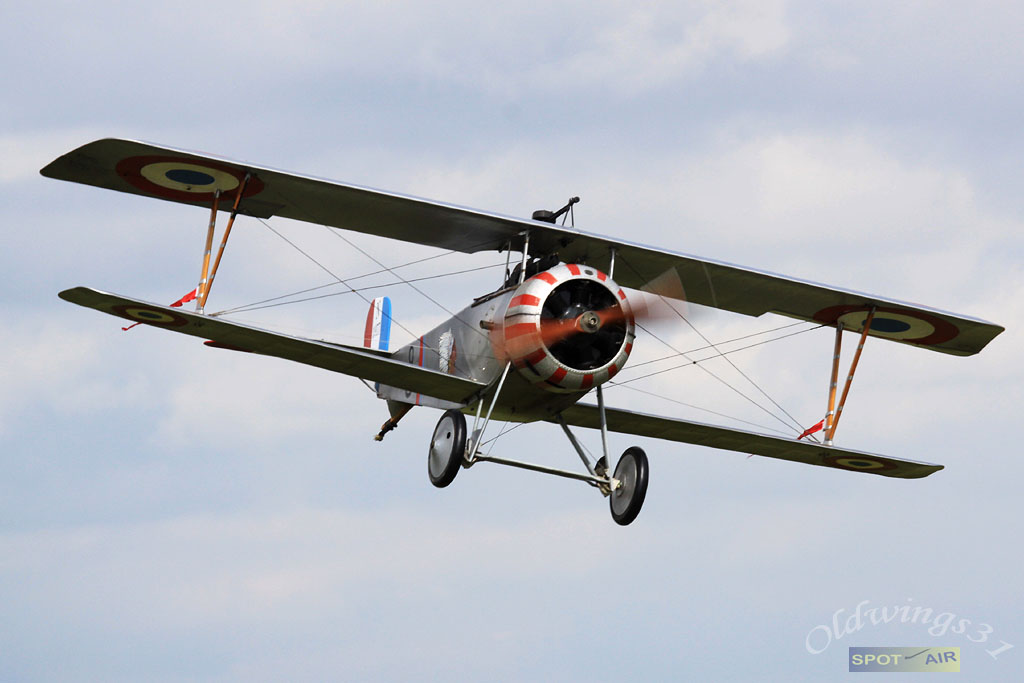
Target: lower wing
<point>356,362</point>
<point>672,429</point>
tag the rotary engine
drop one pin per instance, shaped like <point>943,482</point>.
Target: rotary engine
<point>568,329</point>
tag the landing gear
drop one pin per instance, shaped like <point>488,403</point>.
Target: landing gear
<point>628,497</point>
<point>625,489</point>
<point>447,448</point>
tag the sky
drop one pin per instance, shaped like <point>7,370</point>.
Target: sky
<point>170,512</point>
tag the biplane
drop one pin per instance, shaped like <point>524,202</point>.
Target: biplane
<point>557,327</point>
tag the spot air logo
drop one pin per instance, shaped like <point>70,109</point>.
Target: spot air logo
<point>916,659</point>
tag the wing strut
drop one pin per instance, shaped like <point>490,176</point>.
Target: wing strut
<point>201,289</point>
<point>206,278</point>
<point>835,412</point>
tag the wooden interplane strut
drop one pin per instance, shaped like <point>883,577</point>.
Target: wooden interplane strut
<point>834,411</point>
<point>201,289</point>
<point>223,242</point>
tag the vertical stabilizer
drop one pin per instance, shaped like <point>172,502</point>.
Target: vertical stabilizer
<point>377,334</point>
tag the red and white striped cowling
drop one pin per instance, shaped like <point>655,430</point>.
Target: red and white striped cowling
<point>525,348</point>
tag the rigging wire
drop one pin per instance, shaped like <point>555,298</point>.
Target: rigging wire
<point>470,249</point>
<point>328,271</point>
<point>743,374</point>
<point>634,366</point>
<point>330,284</point>
<point>615,384</point>
<point>699,363</point>
<point>257,307</point>
<point>429,298</point>
<point>624,384</point>
<point>713,374</point>
<point>391,270</point>
<point>720,353</point>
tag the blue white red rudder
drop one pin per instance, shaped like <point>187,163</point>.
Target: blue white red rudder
<point>377,334</point>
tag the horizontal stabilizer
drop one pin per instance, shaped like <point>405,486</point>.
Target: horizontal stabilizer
<point>713,436</point>
<point>373,365</point>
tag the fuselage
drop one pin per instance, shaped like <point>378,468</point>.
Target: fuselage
<point>513,326</point>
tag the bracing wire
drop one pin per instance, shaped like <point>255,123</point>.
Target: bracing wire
<point>429,298</point>
<point>391,270</point>
<point>634,366</point>
<point>717,377</point>
<point>328,271</point>
<point>623,385</point>
<point>690,362</point>
<point>276,301</point>
<point>713,374</point>
<point>332,284</point>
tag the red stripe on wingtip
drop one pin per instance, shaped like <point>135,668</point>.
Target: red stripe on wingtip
<point>601,276</point>
<point>573,268</point>
<point>587,382</point>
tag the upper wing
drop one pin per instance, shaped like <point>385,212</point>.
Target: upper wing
<point>188,177</point>
<point>640,424</point>
<point>191,178</point>
<point>346,360</point>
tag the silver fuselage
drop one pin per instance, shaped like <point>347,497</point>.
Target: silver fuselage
<point>465,346</point>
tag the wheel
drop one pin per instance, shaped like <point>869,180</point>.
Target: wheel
<point>447,448</point>
<point>627,500</point>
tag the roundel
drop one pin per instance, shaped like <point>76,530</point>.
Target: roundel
<point>858,463</point>
<point>190,180</point>
<point>152,316</point>
<point>905,325</point>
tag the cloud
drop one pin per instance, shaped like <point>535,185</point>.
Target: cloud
<point>652,46</point>
<point>160,497</point>
<point>625,49</point>
<point>54,367</point>
<point>24,154</point>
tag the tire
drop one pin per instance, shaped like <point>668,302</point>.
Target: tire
<point>447,447</point>
<point>632,470</point>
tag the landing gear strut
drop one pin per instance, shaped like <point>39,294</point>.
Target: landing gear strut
<point>626,489</point>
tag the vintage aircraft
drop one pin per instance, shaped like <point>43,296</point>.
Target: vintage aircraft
<point>557,327</point>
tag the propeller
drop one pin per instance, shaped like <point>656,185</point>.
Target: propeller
<point>584,324</point>
<point>645,306</point>
<point>555,330</point>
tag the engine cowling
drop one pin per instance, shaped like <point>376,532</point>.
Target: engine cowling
<point>568,329</point>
